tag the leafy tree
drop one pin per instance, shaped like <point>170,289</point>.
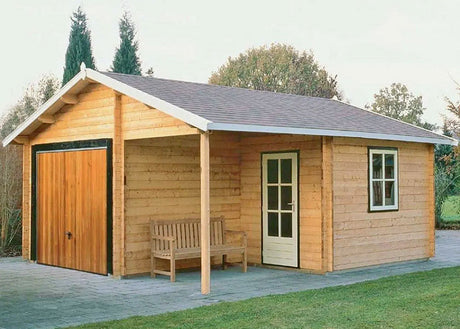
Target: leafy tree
<point>278,68</point>
<point>79,49</point>
<point>397,102</point>
<point>34,96</point>
<point>453,123</point>
<point>126,59</point>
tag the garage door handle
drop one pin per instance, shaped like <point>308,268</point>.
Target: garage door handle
<point>69,234</point>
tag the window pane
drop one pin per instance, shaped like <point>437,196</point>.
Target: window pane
<point>286,225</point>
<point>389,166</point>
<point>286,170</point>
<point>377,188</point>
<point>272,224</point>
<point>272,175</point>
<point>286,197</point>
<point>389,193</point>
<point>377,166</point>
<point>272,197</point>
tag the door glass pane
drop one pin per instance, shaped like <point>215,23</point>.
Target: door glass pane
<point>377,188</point>
<point>273,224</point>
<point>272,197</point>
<point>286,170</point>
<point>389,166</point>
<point>377,166</point>
<point>390,193</point>
<point>286,197</point>
<point>272,175</point>
<point>286,225</point>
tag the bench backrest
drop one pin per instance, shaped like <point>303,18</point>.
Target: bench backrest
<point>187,232</point>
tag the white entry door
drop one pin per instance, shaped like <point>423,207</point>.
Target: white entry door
<point>279,204</point>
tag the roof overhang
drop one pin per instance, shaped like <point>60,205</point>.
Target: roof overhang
<point>329,132</point>
<point>87,76</point>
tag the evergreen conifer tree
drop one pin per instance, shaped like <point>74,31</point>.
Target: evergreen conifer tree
<point>126,59</point>
<point>79,49</point>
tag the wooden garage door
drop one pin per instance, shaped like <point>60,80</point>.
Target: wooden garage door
<point>72,209</point>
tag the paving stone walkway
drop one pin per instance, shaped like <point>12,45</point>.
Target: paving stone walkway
<point>37,296</point>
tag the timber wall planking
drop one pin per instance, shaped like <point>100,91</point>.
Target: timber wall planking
<point>362,238</point>
<point>163,182</point>
<point>310,228</point>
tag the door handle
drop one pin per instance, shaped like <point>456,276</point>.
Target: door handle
<point>292,204</point>
<point>68,234</point>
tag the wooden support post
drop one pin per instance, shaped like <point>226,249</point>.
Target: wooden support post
<point>26,200</point>
<point>431,202</point>
<point>327,245</point>
<point>118,221</point>
<point>205,215</point>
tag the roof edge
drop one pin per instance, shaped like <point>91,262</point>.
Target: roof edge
<point>159,104</point>
<point>329,132</point>
<point>85,73</point>
<point>45,106</point>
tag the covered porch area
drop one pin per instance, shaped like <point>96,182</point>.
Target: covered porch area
<point>287,218</point>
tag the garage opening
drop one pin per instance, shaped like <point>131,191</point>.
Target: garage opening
<point>72,202</point>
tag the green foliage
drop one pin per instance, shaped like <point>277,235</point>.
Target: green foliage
<point>417,300</point>
<point>79,49</point>
<point>34,96</point>
<point>397,102</point>
<point>451,209</point>
<point>278,68</point>
<point>126,59</point>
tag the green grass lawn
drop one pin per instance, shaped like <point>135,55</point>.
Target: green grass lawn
<point>451,209</point>
<point>419,300</point>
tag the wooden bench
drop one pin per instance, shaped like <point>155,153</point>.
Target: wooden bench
<point>180,239</point>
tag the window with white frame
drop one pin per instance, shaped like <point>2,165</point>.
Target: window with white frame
<point>383,179</point>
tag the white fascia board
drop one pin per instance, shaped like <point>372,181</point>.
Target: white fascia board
<point>327,132</point>
<point>155,102</point>
<point>45,106</point>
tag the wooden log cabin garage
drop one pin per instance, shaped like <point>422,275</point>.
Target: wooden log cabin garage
<point>315,183</point>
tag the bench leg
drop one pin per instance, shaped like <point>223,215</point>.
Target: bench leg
<point>245,261</point>
<point>173,270</point>
<point>152,266</point>
<point>224,262</point>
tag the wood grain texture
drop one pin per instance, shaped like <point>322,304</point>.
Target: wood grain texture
<point>163,182</point>
<point>310,159</point>
<point>26,199</point>
<point>71,197</point>
<point>326,205</point>
<point>362,238</point>
<point>118,169</point>
<point>205,214</point>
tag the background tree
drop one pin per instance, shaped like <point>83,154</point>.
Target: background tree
<point>79,49</point>
<point>34,96</point>
<point>397,102</point>
<point>126,59</point>
<point>447,171</point>
<point>11,163</point>
<point>278,68</point>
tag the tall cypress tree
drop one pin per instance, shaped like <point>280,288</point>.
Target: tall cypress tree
<point>79,49</point>
<point>126,59</point>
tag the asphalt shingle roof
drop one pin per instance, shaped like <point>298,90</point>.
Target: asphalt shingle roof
<point>228,105</point>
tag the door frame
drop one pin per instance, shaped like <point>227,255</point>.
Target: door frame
<point>82,145</point>
<point>262,206</point>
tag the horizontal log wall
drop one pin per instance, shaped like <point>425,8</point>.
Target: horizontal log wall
<point>310,228</point>
<point>362,238</point>
<point>163,182</point>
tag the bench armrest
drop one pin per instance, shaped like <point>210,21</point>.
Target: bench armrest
<point>242,234</point>
<point>163,237</point>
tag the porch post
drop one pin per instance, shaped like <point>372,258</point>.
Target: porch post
<point>205,214</point>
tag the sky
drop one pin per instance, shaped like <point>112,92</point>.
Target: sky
<point>367,44</point>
